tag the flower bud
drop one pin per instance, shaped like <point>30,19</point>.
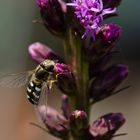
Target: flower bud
<point>65,79</point>
<point>53,15</point>
<point>78,122</point>
<point>55,122</point>
<point>111,3</point>
<point>105,126</point>
<point>106,38</point>
<point>109,33</point>
<point>96,68</point>
<point>39,52</point>
<point>104,85</point>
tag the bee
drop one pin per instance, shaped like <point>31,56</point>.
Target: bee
<point>39,80</point>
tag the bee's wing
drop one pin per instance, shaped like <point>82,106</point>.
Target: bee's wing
<point>45,90</point>
<point>42,101</point>
<point>15,80</point>
<point>44,95</point>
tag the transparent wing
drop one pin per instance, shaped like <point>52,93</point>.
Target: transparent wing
<point>42,105</point>
<point>15,80</point>
<point>45,91</point>
<point>44,95</point>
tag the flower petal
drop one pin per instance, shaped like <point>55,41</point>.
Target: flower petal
<point>39,52</point>
<point>104,85</point>
<point>55,122</point>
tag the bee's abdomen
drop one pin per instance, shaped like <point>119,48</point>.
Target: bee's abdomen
<point>33,92</point>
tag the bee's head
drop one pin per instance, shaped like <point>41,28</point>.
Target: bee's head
<point>48,65</point>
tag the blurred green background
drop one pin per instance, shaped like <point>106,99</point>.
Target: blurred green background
<point>17,32</point>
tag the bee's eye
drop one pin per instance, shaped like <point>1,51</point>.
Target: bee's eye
<point>49,68</point>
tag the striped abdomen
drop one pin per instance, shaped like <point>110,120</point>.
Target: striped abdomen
<point>34,91</point>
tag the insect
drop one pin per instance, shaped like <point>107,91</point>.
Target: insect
<point>39,80</point>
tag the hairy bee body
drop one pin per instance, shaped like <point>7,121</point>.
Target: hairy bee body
<point>34,90</point>
<point>43,73</point>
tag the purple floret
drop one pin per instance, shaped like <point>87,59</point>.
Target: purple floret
<point>90,13</point>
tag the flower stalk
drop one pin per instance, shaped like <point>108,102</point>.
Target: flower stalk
<point>79,66</point>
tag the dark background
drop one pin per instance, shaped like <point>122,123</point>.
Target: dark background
<point>17,32</point>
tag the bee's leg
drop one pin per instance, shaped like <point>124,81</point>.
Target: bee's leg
<point>50,83</point>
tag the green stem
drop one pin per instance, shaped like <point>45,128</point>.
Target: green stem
<point>85,80</point>
<point>75,57</point>
<point>67,49</point>
<point>81,73</point>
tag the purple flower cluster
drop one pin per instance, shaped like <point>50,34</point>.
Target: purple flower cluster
<point>101,129</point>
<point>90,13</point>
<point>87,75</point>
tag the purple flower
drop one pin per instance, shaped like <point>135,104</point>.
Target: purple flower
<point>104,84</point>
<point>78,122</point>
<point>105,126</point>
<point>97,67</point>
<point>109,33</point>
<point>65,79</point>
<point>53,15</point>
<point>39,52</point>
<point>106,38</point>
<point>42,3</point>
<point>55,122</point>
<point>66,83</point>
<point>62,68</point>
<point>90,13</point>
